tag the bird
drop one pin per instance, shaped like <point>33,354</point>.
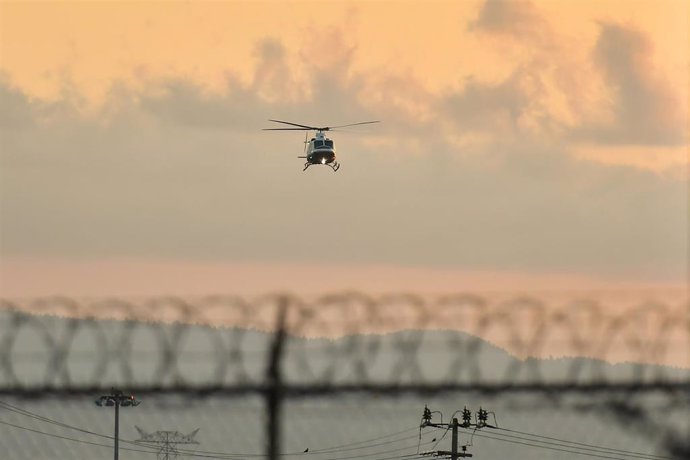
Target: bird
<point>306,450</point>
<point>433,440</point>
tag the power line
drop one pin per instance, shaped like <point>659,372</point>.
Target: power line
<point>211,455</point>
<point>346,446</point>
<point>363,455</point>
<point>329,450</point>
<point>48,420</point>
<point>64,425</point>
<point>167,441</point>
<point>207,455</point>
<point>67,438</point>
<point>528,443</point>
<point>558,444</point>
<point>441,438</point>
<point>343,448</point>
<point>334,449</point>
<point>41,418</point>
<point>613,450</point>
<point>366,446</point>
<point>590,448</point>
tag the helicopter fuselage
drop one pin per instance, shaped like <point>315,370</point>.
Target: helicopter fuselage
<point>321,151</point>
<point>321,157</point>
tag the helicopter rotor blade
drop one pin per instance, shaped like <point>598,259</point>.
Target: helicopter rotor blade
<point>352,124</point>
<point>294,124</point>
<point>306,136</point>
<point>339,130</point>
<point>286,129</point>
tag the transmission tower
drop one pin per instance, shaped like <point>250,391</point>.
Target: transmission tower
<point>167,441</point>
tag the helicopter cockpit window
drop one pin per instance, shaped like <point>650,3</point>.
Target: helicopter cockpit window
<point>329,143</point>
<point>318,143</point>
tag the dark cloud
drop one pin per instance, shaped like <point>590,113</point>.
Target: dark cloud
<point>329,95</point>
<point>271,49</point>
<point>512,17</point>
<point>182,103</point>
<point>484,107</point>
<point>17,109</point>
<point>645,109</point>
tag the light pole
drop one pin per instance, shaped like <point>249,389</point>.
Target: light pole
<point>117,398</point>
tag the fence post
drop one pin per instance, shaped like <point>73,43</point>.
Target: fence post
<point>274,384</point>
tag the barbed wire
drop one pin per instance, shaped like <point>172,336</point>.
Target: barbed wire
<point>339,342</point>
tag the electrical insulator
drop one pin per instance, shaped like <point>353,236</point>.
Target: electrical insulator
<point>426,417</point>
<point>482,416</point>
<point>466,417</point>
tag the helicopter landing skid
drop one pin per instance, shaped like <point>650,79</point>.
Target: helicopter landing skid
<point>335,166</point>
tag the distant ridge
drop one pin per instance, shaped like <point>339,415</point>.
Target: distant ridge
<point>69,352</point>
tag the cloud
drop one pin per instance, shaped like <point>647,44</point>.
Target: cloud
<point>645,109</point>
<point>175,173</point>
<point>518,18</point>
<point>488,175</point>
<point>274,78</point>
<point>17,111</point>
<point>519,107</point>
<point>547,89</point>
<point>610,105</point>
<point>484,106</point>
<point>170,170</point>
<point>180,102</point>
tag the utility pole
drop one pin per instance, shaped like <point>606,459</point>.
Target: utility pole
<point>454,446</point>
<point>117,398</point>
<point>481,422</point>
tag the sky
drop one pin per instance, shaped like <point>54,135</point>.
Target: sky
<point>522,145</point>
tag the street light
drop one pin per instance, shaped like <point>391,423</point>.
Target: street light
<point>117,398</point>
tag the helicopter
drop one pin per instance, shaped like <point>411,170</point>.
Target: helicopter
<point>320,149</point>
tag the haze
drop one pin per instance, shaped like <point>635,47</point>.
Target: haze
<point>522,145</point>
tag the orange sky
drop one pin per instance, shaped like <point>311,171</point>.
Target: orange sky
<point>51,49</point>
<point>95,43</point>
<point>588,85</point>
<point>133,278</point>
